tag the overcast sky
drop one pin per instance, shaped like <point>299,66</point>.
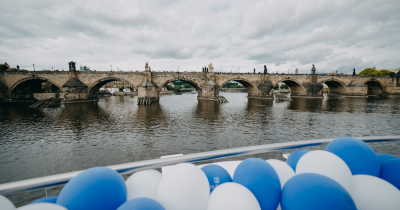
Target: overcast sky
<point>282,34</point>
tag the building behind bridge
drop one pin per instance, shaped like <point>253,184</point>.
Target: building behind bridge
<point>119,84</point>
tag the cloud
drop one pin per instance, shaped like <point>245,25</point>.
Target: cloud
<point>333,35</point>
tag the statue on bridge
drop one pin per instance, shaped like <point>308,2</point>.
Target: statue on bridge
<point>254,71</point>
<point>354,72</point>
<point>313,69</point>
<point>210,67</point>
<point>265,69</point>
<point>146,67</point>
<point>72,66</point>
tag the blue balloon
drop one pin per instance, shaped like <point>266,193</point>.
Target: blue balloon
<point>314,191</point>
<point>261,179</point>
<point>295,156</point>
<point>141,204</point>
<point>358,155</point>
<point>216,175</point>
<point>390,171</point>
<point>385,157</point>
<point>95,188</point>
<point>50,199</point>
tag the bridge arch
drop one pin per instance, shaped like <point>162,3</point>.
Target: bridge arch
<point>375,87</point>
<point>250,87</point>
<point>24,88</point>
<point>296,88</point>
<point>193,83</point>
<point>94,88</point>
<point>335,86</point>
<point>33,78</point>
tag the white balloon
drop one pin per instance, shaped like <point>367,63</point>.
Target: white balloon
<point>143,184</point>
<point>42,206</point>
<point>327,164</point>
<point>232,196</point>
<point>369,192</point>
<point>184,187</point>
<point>6,204</point>
<point>284,171</point>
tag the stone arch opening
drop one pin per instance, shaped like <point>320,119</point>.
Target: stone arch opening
<point>334,87</point>
<point>192,83</point>
<point>294,87</point>
<point>239,83</point>
<point>374,88</point>
<point>94,88</point>
<point>25,89</point>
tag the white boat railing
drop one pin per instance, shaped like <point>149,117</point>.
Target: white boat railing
<point>127,168</point>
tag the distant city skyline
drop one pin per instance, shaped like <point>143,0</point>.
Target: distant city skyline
<point>234,35</point>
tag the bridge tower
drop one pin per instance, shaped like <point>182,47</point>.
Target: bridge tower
<point>147,88</point>
<point>313,88</point>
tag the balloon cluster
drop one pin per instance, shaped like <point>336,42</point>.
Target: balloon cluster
<point>347,175</point>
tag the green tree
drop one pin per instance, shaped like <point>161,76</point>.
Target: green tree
<point>58,93</point>
<point>169,87</point>
<point>46,86</point>
<point>369,72</point>
<point>374,72</point>
<point>130,88</point>
<point>383,72</point>
<point>231,85</point>
<point>284,86</point>
<point>3,67</point>
<point>276,87</point>
<point>187,85</point>
<point>177,89</point>
<point>121,89</point>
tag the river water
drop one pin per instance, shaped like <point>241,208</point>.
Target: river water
<point>38,142</point>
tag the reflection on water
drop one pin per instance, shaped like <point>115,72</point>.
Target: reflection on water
<point>116,130</point>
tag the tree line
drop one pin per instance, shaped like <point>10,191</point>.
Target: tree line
<point>178,86</point>
<point>283,86</point>
<point>374,72</point>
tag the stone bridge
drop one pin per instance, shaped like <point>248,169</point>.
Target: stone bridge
<point>85,84</point>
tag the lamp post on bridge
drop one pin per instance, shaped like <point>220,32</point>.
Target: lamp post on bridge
<point>33,67</point>
<point>111,68</point>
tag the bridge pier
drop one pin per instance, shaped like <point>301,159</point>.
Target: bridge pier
<point>148,89</point>
<point>264,91</point>
<point>313,89</point>
<point>3,90</point>
<point>209,91</point>
<point>74,89</point>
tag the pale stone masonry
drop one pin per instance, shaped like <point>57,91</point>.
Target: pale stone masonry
<point>86,84</point>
